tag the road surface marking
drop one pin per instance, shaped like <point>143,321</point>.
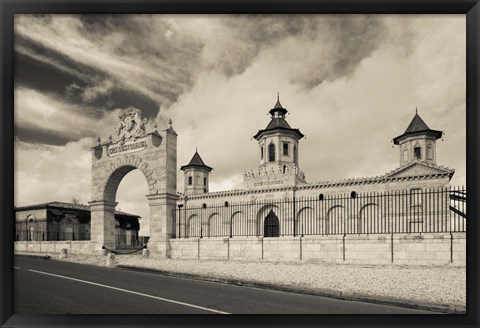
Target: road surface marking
<point>133,292</point>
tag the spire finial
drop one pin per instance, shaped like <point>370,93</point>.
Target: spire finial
<point>416,110</point>
<point>278,96</point>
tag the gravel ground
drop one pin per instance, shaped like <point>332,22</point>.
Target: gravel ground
<point>441,285</point>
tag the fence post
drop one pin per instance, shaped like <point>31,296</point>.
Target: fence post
<point>294,213</point>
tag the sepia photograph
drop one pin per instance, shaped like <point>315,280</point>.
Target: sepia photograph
<point>240,164</point>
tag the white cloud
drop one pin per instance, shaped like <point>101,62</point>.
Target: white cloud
<point>103,88</point>
<point>45,173</point>
<point>349,121</point>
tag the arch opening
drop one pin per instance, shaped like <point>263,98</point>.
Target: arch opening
<point>132,217</point>
<point>271,225</point>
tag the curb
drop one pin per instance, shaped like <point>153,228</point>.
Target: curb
<point>45,257</point>
<point>384,300</point>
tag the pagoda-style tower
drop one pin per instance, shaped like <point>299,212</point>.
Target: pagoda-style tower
<point>196,176</point>
<point>278,153</point>
<point>418,143</point>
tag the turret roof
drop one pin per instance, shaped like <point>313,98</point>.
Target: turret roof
<point>278,122</point>
<point>418,126</point>
<point>196,161</point>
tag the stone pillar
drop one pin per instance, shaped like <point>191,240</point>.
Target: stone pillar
<point>102,225</point>
<point>162,223</point>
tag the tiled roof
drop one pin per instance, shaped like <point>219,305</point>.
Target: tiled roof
<point>72,206</point>
<point>278,122</point>
<point>196,161</point>
<point>418,126</point>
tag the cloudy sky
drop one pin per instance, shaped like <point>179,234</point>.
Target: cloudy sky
<point>350,83</point>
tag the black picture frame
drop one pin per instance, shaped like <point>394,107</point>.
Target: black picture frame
<point>470,8</point>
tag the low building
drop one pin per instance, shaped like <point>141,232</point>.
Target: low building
<point>55,221</point>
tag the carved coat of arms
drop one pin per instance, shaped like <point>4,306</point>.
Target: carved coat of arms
<point>131,125</point>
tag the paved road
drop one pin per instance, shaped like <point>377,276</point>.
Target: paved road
<point>49,286</point>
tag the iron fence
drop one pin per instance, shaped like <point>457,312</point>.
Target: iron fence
<point>127,238</point>
<point>42,235</point>
<point>122,237</point>
<point>400,211</point>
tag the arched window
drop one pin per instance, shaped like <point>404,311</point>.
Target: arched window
<point>429,152</point>
<point>31,229</point>
<point>270,228</point>
<point>190,181</point>
<point>284,168</point>
<point>285,149</point>
<point>69,230</point>
<point>271,153</point>
<point>119,236</point>
<point>295,155</point>
<point>417,153</point>
<point>261,152</point>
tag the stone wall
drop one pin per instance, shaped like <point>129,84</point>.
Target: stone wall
<point>409,249</point>
<point>73,247</point>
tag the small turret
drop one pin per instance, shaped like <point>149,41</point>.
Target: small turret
<point>196,176</point>
<point>418,142</point>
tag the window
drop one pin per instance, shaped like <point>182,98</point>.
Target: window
<point>261,152</point>
<point>69,233</point>
<point>32,232</point>
<point>405,155</point>
<point>416,196</point>
<point>416,209</point>
<point>204,181</point>
<point>190,181</point>
<point>271,153</point>
<point>429,152</point>
<point>416,201</point>
<point>31,229</point>
<point>417,153</point>
<point>295,155</point>
<point>285,149</point>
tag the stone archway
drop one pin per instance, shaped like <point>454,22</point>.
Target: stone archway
<point>155,155</point>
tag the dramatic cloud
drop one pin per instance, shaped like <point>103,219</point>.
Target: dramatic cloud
<point>48,115</point>
<point>137,53</point>
<point>349,121</point>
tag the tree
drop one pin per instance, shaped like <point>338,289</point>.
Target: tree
<point>75,201</point>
